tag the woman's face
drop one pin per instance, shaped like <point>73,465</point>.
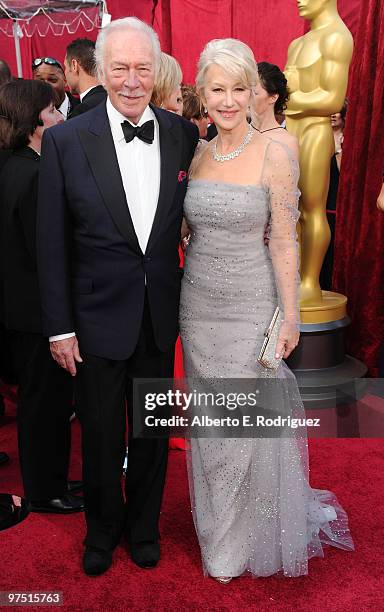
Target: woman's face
<point>336,121</point>
<point>50,116</point>
<point>175,102</point>
<point>262,101</point>
<point>225,98</point>
<point>202,124</point>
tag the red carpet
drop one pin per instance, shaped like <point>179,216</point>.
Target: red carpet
<point>43,553</point>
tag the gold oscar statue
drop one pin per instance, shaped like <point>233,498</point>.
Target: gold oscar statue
<point>317,74</point>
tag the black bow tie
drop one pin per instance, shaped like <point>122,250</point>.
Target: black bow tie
<point>145,132</point>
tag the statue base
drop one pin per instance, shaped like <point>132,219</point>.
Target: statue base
<point>332,307</point>
<point>326,376</point>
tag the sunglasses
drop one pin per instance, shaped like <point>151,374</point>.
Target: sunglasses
<point>46,60</point>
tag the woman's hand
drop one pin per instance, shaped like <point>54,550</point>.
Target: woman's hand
<point>185,233</point>
<point>380,199</point>
<point>184,230</point>
<point>267,233</point>
<point>288,339</point>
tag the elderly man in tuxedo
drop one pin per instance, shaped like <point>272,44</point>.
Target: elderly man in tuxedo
<point>110,210</point>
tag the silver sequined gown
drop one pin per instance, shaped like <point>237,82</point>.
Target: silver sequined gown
<point>252,505</point>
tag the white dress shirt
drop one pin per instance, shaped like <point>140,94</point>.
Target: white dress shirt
<point>139,164</point>
<point>82,95</point>
<point>64,107</point>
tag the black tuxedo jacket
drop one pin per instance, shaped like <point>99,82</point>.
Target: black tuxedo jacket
<point>91,269</point>
<point>73,103</point>
<point>20,303</point>
<point>90,100</point>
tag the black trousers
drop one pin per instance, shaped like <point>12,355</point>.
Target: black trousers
<point>44,407</point>
<point>103,394</point>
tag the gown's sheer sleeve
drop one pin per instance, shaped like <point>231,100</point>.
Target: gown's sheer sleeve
<point>199,151</point>
<point>200,148</point>
<point>280,176</point>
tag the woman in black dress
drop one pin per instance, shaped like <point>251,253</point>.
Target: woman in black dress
<point>45,390</point>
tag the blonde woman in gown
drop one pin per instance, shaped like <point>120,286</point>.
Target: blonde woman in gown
<point>253,508</point>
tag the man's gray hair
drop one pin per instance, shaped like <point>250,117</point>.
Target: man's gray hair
<point>127,23</point>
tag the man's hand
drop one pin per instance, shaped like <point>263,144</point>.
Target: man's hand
<point>66,353</point>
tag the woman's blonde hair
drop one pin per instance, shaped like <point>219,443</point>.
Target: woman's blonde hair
<point>234,56</point>
<point>168,79</point>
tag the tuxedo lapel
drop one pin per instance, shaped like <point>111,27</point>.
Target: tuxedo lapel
<point>99,148</point>
<point>95,96</point>
<point>170,153</point>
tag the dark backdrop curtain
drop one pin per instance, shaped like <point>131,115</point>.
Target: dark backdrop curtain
<point>359,269</point>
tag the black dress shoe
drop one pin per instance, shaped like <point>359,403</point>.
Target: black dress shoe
<point>62,505</point>
<point>74,485</point>
<point>4,458</point>
<point>96,561</point>
<point>145,554</point>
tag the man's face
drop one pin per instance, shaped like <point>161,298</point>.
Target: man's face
<point>71,74</point>
<point>55,77</point>
<point>309,9</point>
<point>129,72</point>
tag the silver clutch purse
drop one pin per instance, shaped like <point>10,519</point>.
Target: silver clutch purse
<point>267,353</point>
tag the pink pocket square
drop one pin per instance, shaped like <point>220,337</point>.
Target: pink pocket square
<point>182,176</point>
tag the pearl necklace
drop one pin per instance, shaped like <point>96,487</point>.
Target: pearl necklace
<point>222,158</point>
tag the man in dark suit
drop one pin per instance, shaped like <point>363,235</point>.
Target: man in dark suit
<point>110,209</point>
<point>50,70</point>
<point>81,74</point>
